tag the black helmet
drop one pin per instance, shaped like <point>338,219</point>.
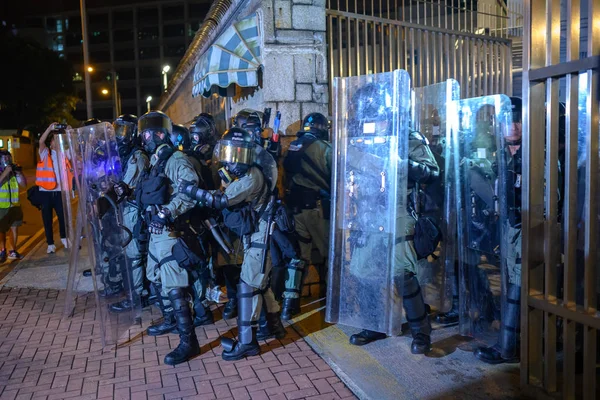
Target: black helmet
<point>202,131</point>
<point>372,104</point>
<point>180,137</point>
<point>91,121</point>
<point>155,128</point>
<point>317,124</point>
<point>126,133</point>
<point>236,150</point>
<point>516,105</point>
<point>251,121</point>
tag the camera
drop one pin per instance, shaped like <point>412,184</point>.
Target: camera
<point>16,167</point>
<point>60,127</point>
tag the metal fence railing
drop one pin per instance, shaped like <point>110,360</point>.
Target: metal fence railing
<point>560,206</point>
<point>361,44</point>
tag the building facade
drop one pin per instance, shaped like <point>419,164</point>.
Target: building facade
<point>135,40</point>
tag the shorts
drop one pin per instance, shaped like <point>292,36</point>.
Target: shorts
<point>12,216</point>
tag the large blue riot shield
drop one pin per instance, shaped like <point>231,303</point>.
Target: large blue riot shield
<point>97,168</point>
<point>431,116</point>
<point>369,192</point>
<point>487,172</point>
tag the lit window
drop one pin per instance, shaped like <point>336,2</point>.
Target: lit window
<point>2,143</point>
<point>59,26</point>
<point>60,47</point>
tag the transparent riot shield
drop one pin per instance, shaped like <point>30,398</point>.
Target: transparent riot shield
<point>70,185</point>
<point>368,217</point>
<point>431,111</point>
<point>489,228</point>
<point>102,224</point>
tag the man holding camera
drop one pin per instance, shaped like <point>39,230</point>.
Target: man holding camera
<point>11,215</point>
<point>47,177</point>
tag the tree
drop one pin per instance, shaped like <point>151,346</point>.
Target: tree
<point>58,108</point>
<point>35,83</point>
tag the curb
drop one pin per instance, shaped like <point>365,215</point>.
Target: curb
<point>30,244</point>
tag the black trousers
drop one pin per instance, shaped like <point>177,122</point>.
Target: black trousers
<point>52,201</point>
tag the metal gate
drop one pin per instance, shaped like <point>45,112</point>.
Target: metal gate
<point>560,319</point>
<point>467,41</point>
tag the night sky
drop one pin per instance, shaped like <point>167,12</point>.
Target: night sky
<point>14,11</point>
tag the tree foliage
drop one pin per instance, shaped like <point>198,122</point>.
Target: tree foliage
<point>36,84</point>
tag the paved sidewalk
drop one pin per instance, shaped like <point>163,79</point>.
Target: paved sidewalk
<point>47,356</point>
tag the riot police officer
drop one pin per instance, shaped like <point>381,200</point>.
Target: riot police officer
<point>308,172</point>
<point>372,106</point>
<point>165,210</point>
<point>506,348</point>
<point>245,203</point>
<point>134,162</point>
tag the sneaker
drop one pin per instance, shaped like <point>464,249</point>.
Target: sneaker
<point>51,249</point>
<point>2,255</point>
<point>14,255</point>
<point>65,243</point>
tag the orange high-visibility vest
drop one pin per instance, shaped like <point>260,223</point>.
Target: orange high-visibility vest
<point>45,176</point>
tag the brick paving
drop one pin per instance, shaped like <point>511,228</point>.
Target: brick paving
<point>44,355</point>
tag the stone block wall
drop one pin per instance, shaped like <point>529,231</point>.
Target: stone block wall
<point>294,61</point>
<point>294,71</point>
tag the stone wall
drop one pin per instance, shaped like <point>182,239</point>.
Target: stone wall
<point>294,63</point>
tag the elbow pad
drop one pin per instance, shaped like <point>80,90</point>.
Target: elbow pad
<point>421,173</point>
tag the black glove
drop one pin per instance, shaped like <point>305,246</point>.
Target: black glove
<point>157,225</point>
<point>122,190</point>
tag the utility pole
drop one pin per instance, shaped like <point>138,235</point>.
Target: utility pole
<point>116,96</point>
<point>86,59</point>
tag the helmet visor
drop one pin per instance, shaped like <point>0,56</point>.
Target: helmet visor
<point>123,130</point>
<point>154,122</point>
<point>228,151</point>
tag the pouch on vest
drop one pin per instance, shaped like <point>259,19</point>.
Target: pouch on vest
<point>284,219</point>
<point>188,253</point>
<point>241,220</point>
<point>155,191</point>
<point>427,237</point>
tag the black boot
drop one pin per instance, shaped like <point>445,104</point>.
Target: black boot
<point>421,344</point>
<point>202,315</point>
<point>230,310</point>
<point>450,317</point>
<point>167,325</point>
<point>125,305</point>
<point>507,348</point>
<point>188,342</point>
<point>365,337</point>
<point>290,308</point>
<point>270,326</point>
<point>246,345</point>
<point>416,315</point>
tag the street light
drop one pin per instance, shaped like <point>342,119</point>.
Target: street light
<point>105,91</point>
<point>165,70</point>
<point>148,100</point>
<point>90,69</point>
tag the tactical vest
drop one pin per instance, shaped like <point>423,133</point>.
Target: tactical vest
<point>9,193</point>
<point>297,154</point>
<point>154,186</point>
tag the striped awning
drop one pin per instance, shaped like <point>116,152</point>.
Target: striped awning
<point>234,58</point>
